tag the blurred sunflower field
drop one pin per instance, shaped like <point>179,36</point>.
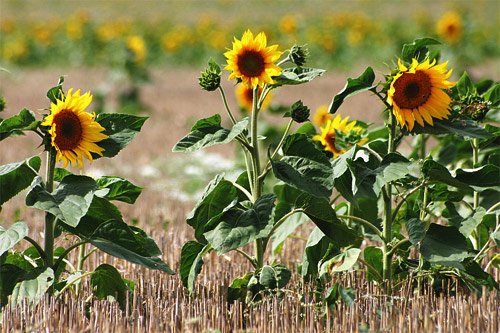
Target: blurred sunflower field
<point>184,33</point>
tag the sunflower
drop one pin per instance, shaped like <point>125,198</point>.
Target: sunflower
<point>251,61</point>
<point>245,97</point>
<point>74,132</point>
<point>321,116</point>
<point>450,27</point>
<point>416,93</point>
<point>328,137</point>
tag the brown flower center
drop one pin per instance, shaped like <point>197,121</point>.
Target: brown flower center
<point>412,90</point>
<point>251,63</point>
<point>330,138</point>
<point>68,130</point>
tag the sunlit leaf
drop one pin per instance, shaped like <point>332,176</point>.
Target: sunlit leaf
<point>25,120</point>
<point>418,49</point>
<point>15,177</point>
<point>10,237</point>
<point>119,189</point>
<point>297,75</point>
<point>33,286</point>
<point>353,86</point>
<point>191,262</point>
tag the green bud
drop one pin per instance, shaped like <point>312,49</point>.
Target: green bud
<point>299,55</point>
<point>210,79</point>
<point>2,104</point>
<point>300,112</point>
<point>474,111</point>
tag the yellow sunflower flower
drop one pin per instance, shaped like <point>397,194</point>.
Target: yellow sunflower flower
<point>138,47</point>
<point>245,97</point>
<point>321,116</point>
<point>450,27</point>
<point>74,132</point>
<point>252,61</point>
<point>416,93</point>
<point>328,136</point>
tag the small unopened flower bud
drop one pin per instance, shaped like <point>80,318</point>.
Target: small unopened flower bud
<point>299,55</point>
<point>2,104</point>
<point>300,112</point>
<point>210,79</point>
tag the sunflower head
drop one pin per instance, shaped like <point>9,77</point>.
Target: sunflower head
<point>416,93</point>
<point>74,132</point>
<point>450,27</point>
<point>321,116</point>
<point>252,61</point>
<point>338,135</point>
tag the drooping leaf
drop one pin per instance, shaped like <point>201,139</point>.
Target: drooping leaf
<point>392,167</point>
<point>56,93</point>
<point>33,286</point>
<point>418,49</point>
<point>297,75</point>
<point>272,277</point>
<point>340,263</point>
<point>442,193</point>
<point>435,171</point>
<point>238,288</point>
<point>116,238</point>
<point>465,225</point>
<point>301,145</point>
<point>60,173</point>
<point>444,245</point>
<point>416,230</point>
<point>480,278</point>
<point>121,129</point>
<point>208,132</point>
<point>463,128</point>
<point>119,189</point>
<point>11,236</point>
<point>192,262</point>
<point>23,121</point>
<point>238,227</point>
<point>316,247</point>
<point>338,292</point>
<point>487,176</point>
<point>324,216</point>
<point>15,177</point>
<point>10,275</point>
<point>69,202</point>
<point>217,198</point>
<point>106,282</point>
<point>362,83</point>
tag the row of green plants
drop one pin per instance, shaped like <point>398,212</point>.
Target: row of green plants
<point>337,38</point>
<point>433,213</point>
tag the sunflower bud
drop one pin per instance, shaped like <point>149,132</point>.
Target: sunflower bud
<point>299,55</point>
<point>300,112</point>
<point>210,79</point>
<point>2,104</point>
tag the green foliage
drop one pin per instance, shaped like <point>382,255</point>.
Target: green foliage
<point>15,177</point>
<point>17,124</point>
<point>297,75</point>
<point>12,236</point>
<point>107,282</point>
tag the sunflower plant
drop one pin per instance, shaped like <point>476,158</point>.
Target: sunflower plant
<point>233,213</point>
<point>77,206</point>
<point>442,203</point>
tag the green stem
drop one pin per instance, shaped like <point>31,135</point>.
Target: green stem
<point>73,282</point>
<point>65,253</point>
<point>424,203</point>
<point>387,222</point>
<point>283,219</point>
<point>252,261</point>
<point>280,144</point>
<point>364,222</point>
<point>475,160</point>
<point>226,105</point>
<point>371,268</point>
<point>400,204</point>
<point>423,144</point>
<point>371,151</point>
<point>49,218</point>
<point>398,244</point>
<point>37,246</point>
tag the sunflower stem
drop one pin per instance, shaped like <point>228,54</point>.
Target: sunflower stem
<point>475,161</point>
<point>387,222</point>
<point>49,218</point>
<point>81,260</point>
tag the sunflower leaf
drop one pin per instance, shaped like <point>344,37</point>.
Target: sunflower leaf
<point>55,93</point>
<point>418,49</point>
<point>297,75</point>
<point>121,129</point>
<point>11,236</point>
<point>119,189</point>
<point>15,177</point>
<point>106,281</point>
<point>192,262</point>
<point>353,86</point>
<point>208,132</point>
<point>463,128</point>
<point>15,125</point>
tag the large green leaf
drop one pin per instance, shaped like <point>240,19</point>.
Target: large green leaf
<point>444,245</point>
<point>56,93</point>
<point>374,257</point>
<point>69,202</point>
<point>119,189</point>
<point>286,228</point>
<point>464,85</point>
<point>463,128</point>
<point>191,262</point>
<point>16,177</point>
<point>297,75</point>
<point>353,86</point>
<point>106,282</point>
<point>324,216</point>
<point>493,95</point>
<point>25,120</point>
<point>301,145</point>
<point>33,286</point>
<point>393,166</point>
<point>435,171</point>
<point>485,176</point>
<point>316,247</point>
<point>305,174</point>
<point>418,49</point>
<point>208,132</point>
<point>121,129</point>
<point>10,237</point>
<point>116,238</point>
<point>219,196</point>
<point>272,277</point>
<point>416,230</point>
<point>465,225</point>
<point>238,227</point>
